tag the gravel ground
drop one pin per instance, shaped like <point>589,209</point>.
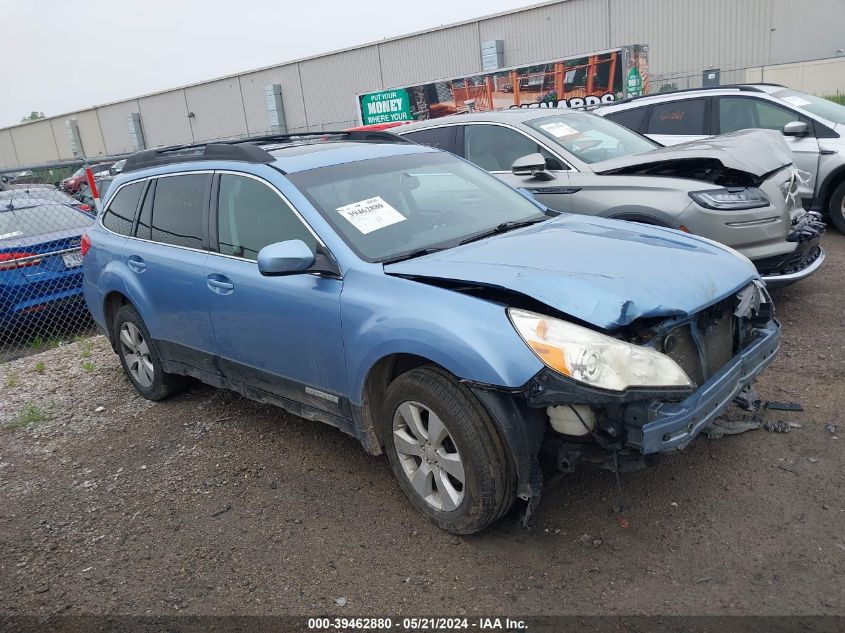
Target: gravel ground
<point>212,504</point>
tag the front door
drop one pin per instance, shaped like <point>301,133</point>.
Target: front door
<point>279,334</point>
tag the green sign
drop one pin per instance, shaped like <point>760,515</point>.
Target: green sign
<point>634,83</point>
<point>386,107</point>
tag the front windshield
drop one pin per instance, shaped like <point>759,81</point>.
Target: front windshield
<point>819,106</point>
<point>385,208</point>
<point>591,138</point>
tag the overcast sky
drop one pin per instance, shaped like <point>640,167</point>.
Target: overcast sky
<point>58,56</point>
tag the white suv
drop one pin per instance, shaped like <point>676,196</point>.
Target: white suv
<point>813,128</point>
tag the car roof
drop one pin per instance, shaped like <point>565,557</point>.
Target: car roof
<point>286,152</point>
<point>513,115</point>
<point>673,95</point>
<point>305,156</point>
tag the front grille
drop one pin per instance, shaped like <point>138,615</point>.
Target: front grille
<point>793,262</point>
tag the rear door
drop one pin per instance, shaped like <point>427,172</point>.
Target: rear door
<point>495,148</point>
<point>165,267</point>
<point>744,112</point>
<point>678,121</point>
<point>280,334</point>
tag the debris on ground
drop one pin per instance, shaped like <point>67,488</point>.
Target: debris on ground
<point>784,406</point>
<point>777,426</point>
<point>830,428</point>
<point>748,399</point>
<point>729,426</point>
<point>341,602</point>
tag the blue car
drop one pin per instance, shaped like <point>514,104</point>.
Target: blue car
<point>40,261</point>
<point>423,307</point>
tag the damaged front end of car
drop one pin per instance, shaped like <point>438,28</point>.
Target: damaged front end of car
<point>672,378</point>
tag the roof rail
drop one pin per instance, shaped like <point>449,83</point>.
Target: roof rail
<point>740,87</point>
<point>246,150</point>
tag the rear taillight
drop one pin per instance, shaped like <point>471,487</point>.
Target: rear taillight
<point>85,243</point>
<point>18,260</point>
<point>84,207</point>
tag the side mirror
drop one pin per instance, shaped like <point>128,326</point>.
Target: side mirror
<point>533,165</point>
<point>285,258</point>
<point>795,128</point>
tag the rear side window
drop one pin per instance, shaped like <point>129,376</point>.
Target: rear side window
<point>677,117</point>
<point>250,216</point>
<point>143,228</point>
<point>121,212</point>
<point>631,118</point>
<point>440,137</point>
<point>179,210</point>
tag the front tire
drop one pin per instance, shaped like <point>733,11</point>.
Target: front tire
<point>140,359</point>
<point>837,207</point>
<point>445,451</point>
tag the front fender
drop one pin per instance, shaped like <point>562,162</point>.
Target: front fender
<point>470,337</point>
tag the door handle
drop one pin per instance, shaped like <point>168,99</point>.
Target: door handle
<point>220,284</point>
<point>136,263</point>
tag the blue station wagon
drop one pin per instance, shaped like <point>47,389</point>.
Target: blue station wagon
<point>425,308</point>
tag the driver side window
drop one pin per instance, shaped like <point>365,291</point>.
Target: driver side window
<point>495,148</point>
<point>251,215</point>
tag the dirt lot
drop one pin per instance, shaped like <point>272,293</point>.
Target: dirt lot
<point>212,504</point>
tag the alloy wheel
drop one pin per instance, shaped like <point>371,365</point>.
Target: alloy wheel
<point>428,456</point>
<point>136,352</point>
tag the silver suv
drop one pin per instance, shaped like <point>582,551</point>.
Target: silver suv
<point>813,127</point>
<point>739,190</point>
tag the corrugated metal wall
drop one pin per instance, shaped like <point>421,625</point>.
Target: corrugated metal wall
<point>684,36</point>
<point>115,126</point>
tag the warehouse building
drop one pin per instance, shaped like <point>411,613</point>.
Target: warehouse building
<point>562,53</point>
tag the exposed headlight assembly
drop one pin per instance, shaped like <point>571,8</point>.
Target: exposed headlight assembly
<point>730,198</point>
<point>595,359</point>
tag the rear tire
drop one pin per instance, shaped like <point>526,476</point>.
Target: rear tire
<point>837,207</point>
<point>445,451</point>
<point>140,357</point>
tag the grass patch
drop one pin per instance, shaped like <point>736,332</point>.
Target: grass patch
<point>85,348</point>
<point>37,343</point>
<point>12,379</point>
<point>89,366</point>
<point>29,415</point>
<point>40,367</point>
<point>837,98</point>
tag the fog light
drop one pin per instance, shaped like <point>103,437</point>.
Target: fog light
<point>564,419</point>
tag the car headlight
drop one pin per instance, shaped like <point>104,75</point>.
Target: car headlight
<point>595,359</point>
<point>730,198</point>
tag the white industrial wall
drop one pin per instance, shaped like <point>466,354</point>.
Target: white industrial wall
<point>684,37</point>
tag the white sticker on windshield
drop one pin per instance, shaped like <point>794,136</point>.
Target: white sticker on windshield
<point>6,236</point>
<point>370,215</point>
<point>558,129</point>
<point>796,101</point>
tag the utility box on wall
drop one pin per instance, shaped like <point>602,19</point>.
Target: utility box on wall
<point>275,108</point>
<point>73,136</point>
<point>492,55</point>
<point>136,132</point>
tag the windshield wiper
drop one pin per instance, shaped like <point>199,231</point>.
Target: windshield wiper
<point>417,253</point>
<point>504,227</point>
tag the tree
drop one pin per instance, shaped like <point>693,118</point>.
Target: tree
<point>33,116</point>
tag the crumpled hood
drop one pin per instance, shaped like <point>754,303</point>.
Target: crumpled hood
<point>757,152</point>
<point>605,272</point>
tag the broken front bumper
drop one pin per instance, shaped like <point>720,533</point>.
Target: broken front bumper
<point>671,426</point>
<point>807,230</point>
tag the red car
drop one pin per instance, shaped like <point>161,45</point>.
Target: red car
<point>73,183</point>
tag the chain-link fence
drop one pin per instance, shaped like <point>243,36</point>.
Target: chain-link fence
<point>44,210</point>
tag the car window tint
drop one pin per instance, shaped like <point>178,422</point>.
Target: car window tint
<point>741,113</point>
<point>631,118</point>
<point>251,215</point>
<point>440,137</point>
<point>146,215</point>
<point>121,212</point>
<point>495,148</point>
<point>179,210</point>
<point>677,117</point>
